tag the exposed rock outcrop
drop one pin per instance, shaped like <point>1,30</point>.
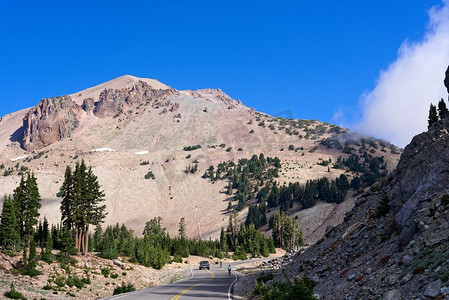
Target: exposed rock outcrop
<point>113,101</point>
<point>398,255</point>
<point>88,105</point>
<point>51,120</point>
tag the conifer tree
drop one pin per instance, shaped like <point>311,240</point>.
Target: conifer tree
<point>9,226</point>
<point>182,228</point>
<point>433,117</point>
<point>81,204</point>
<point>27,200</point>
<point>443,112</point>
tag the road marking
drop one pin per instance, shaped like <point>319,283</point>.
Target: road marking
<point>194,286</point>
<point>230,287</point>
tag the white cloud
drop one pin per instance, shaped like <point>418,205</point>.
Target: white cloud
<point>398,107</point>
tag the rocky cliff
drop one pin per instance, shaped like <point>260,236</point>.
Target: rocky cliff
<point>115,101</point>
<point>54,119</point>
<point>51,120</point>
<point>400,251</point>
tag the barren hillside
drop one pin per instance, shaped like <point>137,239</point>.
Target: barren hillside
<point>129,126</point>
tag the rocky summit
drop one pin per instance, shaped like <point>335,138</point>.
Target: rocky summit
<point>394,243</point>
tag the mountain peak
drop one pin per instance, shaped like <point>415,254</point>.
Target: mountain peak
<point>121,82</point>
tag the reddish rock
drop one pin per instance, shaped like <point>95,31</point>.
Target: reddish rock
<point>53,119</point>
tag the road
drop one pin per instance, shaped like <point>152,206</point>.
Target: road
<point>215,283</point>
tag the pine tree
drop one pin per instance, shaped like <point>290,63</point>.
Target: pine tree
<point>81,204</point>
<point>443,112</point>
<point>27,200</point>
<point>9,226</point>
<point>433,117</point>
<point>98,238</point>
<point>182,228</point>
<point>66,192</point>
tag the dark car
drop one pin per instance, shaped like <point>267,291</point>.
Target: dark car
<point>204,264</point>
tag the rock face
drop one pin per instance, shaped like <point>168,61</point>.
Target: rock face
<point>400,255</point>
<point>54,119</point>
<point>51,120</point>
<point>116,101</point>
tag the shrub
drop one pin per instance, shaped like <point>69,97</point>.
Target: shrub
<point>177,258</point>
<point>265,276</point>
<point>105,272</point>
<point>149,175</point>
<point>191,148</point>
<point>384,207</point>
<point>228,149</point>
<point>60,281</point>
<point>13,294</point>
<point>85,280</point>
<point>114,275</point>
<point>124,288</point>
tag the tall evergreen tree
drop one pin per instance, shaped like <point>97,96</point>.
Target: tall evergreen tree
<point>9,225</point>
<point>443,112</point>
<point>81,204</point>
<point>66,192</point>
<point>433,116</point>
<point>182,228</point>
<point>28,201</point>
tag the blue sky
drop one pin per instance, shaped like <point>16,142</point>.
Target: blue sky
<point>314,58</point>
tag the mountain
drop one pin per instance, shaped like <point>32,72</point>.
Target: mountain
<point>393,244</point>
<point>130,129</point>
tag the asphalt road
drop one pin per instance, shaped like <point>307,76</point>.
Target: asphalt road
<point>215,283</point>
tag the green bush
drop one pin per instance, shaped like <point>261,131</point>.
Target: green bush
<point>149,175</point>
<point>105,272</point>
<point>177,258</point>
<point>60,281</point>
<point>284,291</point>
<point>75,281</point>
<point>114,275</point>
<point>265,276</point>
<point>85,280</point>
<point>13,294</point>
<point>124,288</point>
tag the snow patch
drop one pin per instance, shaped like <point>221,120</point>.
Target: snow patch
<point>142,152</point>
<point>102,150</point>
<point>20,157</point>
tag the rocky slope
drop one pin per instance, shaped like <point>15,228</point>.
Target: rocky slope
<point>129,126</point>
<point>398,255</point>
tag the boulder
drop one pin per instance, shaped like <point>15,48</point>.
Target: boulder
<point>393,295</point>
<point>433,289</point>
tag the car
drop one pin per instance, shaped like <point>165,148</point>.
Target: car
<point>204,264</point>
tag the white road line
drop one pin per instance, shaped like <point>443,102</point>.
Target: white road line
<point>230,287</point>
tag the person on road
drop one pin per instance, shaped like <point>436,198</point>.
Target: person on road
<point>229,269</point>
<point>221,264</point>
